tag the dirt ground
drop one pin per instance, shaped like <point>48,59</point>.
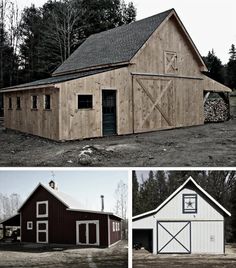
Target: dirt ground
<point>31,256</point>
<point>207,145</point>
<point>142,258</point>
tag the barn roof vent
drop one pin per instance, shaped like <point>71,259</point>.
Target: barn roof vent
<point>53,185</point>
<point>102,202</point>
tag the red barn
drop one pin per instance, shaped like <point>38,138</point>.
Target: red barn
<point>50,216</point>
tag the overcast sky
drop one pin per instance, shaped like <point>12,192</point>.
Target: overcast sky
<point>211,23</point>
<point>84,186</point>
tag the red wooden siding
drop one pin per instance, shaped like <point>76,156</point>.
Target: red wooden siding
<point>61,222</point>
<point>114,235</point>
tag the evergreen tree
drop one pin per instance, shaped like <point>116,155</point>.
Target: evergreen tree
<point>215,67</point>
<point>231,68</point>
<point>161,187</point>
<point>135,193</point>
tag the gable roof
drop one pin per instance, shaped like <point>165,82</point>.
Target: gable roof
<point>67,200</point>
<point>113,46</point>
<point>190,179</point>
<point>118,45</point>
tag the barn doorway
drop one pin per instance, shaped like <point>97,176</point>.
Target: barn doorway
<point>173,237</point>
<point>42,231</point>
<point>109,112</point>
<point>87,233</point>
<point>143,238</point>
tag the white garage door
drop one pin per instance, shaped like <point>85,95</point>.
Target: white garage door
<point>173,237</point>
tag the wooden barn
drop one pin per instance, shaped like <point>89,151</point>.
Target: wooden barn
<point>140,77</point>
<point>188,221</point>
<point>53,217</point>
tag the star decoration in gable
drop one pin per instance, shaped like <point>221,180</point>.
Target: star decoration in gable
<point>189,203</point>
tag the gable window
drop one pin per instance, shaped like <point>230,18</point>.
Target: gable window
<point>42,209</point>
<point>47,102</point>
<point>189,203</point>
<point>34,100</point>
<point>10,103</point>
<point>29,225</point>
<point>18,103</point>
<point>85,101</point>
<point>170,61</point>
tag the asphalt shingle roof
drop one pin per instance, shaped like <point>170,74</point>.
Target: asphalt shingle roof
<point>113,46</point>
<point>58,79</point>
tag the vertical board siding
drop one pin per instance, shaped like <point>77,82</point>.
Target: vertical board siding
<point>208,237</point>
<point>114,235</point>
<point>168,38</point>
<point>207,222</point>
<point>61,222</point>
<point>37,122</point>
<point>174,208</point>
<point>87,123</point>
<point>182,102</point>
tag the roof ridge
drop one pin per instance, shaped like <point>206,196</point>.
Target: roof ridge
<point>190,179</point>
<point>136,21</point>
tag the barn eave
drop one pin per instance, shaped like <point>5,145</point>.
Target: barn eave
<point>190,179</point>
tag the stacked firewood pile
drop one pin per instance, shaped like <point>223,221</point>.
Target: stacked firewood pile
<point>216,110</point>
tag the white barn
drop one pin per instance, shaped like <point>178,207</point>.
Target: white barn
<point>188,221</point>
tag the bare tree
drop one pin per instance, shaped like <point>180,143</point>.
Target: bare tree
<point>9,205</point>
<point>121,195</point>
<point>64,18</point>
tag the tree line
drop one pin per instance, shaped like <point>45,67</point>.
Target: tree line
<point>223,73</point>
<point>150,192</point>
<point>34,42</point>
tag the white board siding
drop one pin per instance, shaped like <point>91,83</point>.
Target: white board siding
<point>174,211</point>
<point>208,237</point>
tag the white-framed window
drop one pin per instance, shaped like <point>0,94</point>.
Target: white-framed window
<point>42,209</point>
<point>118,224</point>
<point>114,226</point>
<point>42,231</point>
<point>29,225</point>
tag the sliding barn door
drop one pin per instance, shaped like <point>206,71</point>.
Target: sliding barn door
<point>154,101</point>
<point>174,237</point>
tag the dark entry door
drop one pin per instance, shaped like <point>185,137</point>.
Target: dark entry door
<point>109,112</point>
<point>82,233</point>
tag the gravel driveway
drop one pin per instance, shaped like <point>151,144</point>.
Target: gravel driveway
<point>142,258</point>
<point>31,256</point>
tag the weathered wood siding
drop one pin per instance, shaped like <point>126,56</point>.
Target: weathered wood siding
<point>175,97</point>
<point>40,122</point>
<point>87,123</point>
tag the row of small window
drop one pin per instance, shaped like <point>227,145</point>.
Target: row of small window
<point>84,102</point>
<point>34,102</point>
<point>116,226</point>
